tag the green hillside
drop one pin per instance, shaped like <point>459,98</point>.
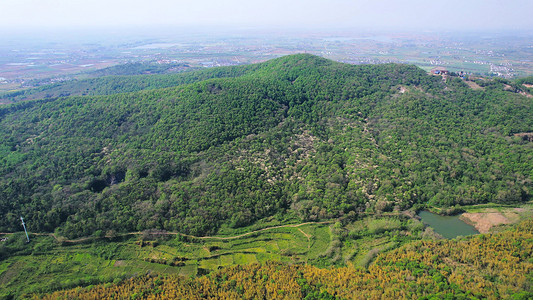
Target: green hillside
<point>495,266</point>
<point>299,137</point>
<point>122,79</point>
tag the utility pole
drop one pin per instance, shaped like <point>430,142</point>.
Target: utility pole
<point>24,225</point>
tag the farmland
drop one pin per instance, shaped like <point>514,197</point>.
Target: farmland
<point>50,263</point>
<point>43,60</point>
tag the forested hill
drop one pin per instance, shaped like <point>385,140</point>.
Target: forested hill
<point>296,137</point>
<point>123,79</point>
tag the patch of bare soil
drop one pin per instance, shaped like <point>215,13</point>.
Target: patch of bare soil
<point>527,85</point>
<point>474,85</point>
<point>507,87</point>
<point>118,263</point>
<point>526,94</point>
<point>483,222</point>
<point>527,136</point>
<point>402,90</point>
<point>11,271</point>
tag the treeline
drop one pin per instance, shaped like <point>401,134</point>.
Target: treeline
<point>496,266</point>
<point>297,136</point>
<point>139,68</point>
<point>124,79</point>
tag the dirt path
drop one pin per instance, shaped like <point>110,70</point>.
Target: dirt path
<point>308,236</point>
<point>62,239</point>
<point>255,231</point>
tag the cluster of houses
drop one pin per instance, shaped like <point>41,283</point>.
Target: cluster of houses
<point>3,239</point>
<point>443,71</point>
<point>439,71</point>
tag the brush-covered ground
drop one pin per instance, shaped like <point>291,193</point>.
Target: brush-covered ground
<point>135,174</point>
<point>486,266</point>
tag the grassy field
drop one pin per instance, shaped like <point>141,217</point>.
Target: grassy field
<point>46,264</point>
<point>528,206</point>
<point>493,217</point>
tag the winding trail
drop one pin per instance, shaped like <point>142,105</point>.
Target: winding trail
<point>83,239</point>
<point>256,231</point>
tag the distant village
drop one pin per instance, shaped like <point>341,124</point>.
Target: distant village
<point>22,68</point>
<point>444,71</point>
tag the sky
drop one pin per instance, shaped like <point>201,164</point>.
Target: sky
<point>417,15</point>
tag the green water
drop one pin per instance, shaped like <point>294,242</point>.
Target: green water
<point>447,226</point>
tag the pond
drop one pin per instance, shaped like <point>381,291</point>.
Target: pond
<point>448,226</point>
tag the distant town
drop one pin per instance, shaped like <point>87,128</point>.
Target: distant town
<point>43,61</point>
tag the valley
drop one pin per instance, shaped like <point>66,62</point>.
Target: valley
<point>65,264</point>
<point>299,163</point>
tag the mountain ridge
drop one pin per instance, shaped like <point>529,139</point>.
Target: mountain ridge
<point>299,136</point>
<point>112,84</point>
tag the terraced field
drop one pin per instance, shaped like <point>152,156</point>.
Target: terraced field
<point>50,262</point>
<point>53,264</point>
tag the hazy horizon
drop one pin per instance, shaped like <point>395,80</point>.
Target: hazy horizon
<point>275,15</point>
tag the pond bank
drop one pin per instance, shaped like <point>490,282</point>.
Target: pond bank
<point>447,226</point>
<point>487,219</point>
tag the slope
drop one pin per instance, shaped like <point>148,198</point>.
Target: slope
<point>296,137</point>
<point>119,79</point>
<point>482,267</point>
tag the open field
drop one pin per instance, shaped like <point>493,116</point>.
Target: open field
<point>66,60</point>
<point>48,263</point>
<point>490,217</point>
<point>54,265</point>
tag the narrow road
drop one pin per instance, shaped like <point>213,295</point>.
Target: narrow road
<point>188,235</point>
<point>259,230</point>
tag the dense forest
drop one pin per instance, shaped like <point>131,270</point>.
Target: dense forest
<point>296,137</point>
<point>118,79</point>
<point>494,266</point>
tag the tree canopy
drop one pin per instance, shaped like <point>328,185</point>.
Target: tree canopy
<point>297,136</point>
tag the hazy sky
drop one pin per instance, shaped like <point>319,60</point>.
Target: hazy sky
<point>365,14</point>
